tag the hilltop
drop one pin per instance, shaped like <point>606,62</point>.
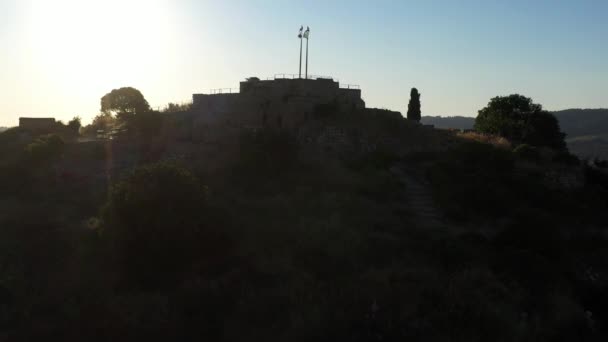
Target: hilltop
<point>348,223</point>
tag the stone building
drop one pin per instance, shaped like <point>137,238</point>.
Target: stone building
<point>281,102</point>
<point>37,124</point>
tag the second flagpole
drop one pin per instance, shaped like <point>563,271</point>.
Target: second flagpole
<point>306,72</point>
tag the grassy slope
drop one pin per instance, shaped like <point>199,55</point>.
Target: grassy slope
<point>319,249</point>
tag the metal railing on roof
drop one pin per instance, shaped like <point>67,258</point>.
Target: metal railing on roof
<point>350,86</point>
<point>224,91</point>
<point>296,76</point>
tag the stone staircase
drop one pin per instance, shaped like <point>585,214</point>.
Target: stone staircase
<point>419,198</point>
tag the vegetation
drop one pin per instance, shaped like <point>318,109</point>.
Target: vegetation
<point>271,237</point>
<point>102,122</point>
<point>413,108</point>
<point>520,120</point>
<point>44,148</point>
<point>177,107</point>
<point>123,101</point>
<point>154,219</point>
<point>74,125</point>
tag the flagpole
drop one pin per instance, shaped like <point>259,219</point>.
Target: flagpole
<point>300,70</point>
<point>306,58</point>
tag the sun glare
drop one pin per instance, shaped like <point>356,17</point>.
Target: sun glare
<point>98,44</point>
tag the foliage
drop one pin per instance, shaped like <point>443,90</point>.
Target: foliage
<point>327,250</point>
<point>177,107</point>
<point>527,152</point>
<point>154,218</point>
<point>413,108</point>
<point>75,124</point>
<point>102,122</point>
<point>124,101</point>
<point>520,120</point>
<point>45,148</point>
<point>473,180</point>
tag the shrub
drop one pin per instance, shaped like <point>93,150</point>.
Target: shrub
<point>474,180</point>
<point>154,218</point>
<point>527,152</point>
<point>45,148</point>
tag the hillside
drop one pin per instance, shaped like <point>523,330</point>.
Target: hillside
<point>586,129</point>
<point>373,229</point>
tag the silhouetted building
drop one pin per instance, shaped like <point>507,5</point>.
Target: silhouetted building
<point>37,124</point>
<point>280,101</point>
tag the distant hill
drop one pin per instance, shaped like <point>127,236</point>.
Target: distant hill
<point>583,122</point>
<point>457,122</point>
<point>586,129</point>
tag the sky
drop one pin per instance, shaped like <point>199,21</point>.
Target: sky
<point>58,58</point>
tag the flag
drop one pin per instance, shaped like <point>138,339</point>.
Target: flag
<point>301,29</point>
<point>307,33</point>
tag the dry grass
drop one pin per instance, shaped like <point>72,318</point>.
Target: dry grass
<point>494,140</point>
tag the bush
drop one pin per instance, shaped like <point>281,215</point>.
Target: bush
<point>154,218</point>
<point>474,180</point>
<point>45,148</point>
<point>527,152</point>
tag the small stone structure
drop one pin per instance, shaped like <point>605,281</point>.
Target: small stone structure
<point>37,124</point>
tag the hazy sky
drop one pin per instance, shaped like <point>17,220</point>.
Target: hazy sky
<point>57,58</point>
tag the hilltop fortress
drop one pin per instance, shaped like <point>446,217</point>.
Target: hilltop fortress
<point>318,111</point>
<point>282,102</point>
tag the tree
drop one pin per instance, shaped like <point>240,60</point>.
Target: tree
<point>75,124</point>
<point>520,120</point>
<point>154,218</point>
<point>124,101</point>
<point>413,108</point>
<point>177,107</point>
<point>102,122</point>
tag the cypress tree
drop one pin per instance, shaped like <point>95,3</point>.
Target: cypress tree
<point>413,108</point>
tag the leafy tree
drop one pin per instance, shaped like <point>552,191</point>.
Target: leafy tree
<point>153,218</point>
<point>124,103</point>
<point>75,124</point>
<point>413,108</point>
<point>520,120</point>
